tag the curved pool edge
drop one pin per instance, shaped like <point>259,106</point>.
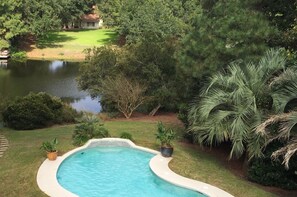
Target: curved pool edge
<point>46,175</point>
<point>160,166</point>
<point>48,183</point>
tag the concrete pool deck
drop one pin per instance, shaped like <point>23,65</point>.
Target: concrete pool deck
<point>48,183</point>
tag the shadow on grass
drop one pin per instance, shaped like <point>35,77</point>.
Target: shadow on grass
<point>52,40</point>
<point>78,30</point>
<point>112,38</point>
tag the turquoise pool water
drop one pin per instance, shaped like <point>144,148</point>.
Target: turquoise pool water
<point>115,172</point>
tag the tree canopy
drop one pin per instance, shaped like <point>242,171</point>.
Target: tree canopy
<point>20,17</point>
<point>139,20</point>
<point>223,32</point>
<point>156,70</point>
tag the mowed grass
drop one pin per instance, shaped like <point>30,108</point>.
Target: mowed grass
<point>19,165</point>
<point>78,38</point>
<point>70,44</point>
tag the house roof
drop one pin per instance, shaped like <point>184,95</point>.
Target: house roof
<point>90,18</point>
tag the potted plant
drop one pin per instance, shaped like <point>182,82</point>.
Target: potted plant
<point>51,149</point>
<point>165,136</point>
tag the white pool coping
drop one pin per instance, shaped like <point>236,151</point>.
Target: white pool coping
<point>48,183</point>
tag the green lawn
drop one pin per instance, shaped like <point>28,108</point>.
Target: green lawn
<point>78,38</point>
<point>19,165</point>
<point>70,44</point>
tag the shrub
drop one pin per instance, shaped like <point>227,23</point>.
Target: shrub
<point>33,111</point>
<point>82,133</point>
<point>19,56</point>
<point>126,135</point>
<point>272,173</point>
<point>68,114</point>
<point>100,132</point>
<point>90,127</point>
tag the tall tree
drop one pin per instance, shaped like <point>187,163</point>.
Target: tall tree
<point>11,23</point>
<point>110,11</point>
<point>113,12</point>
<point>19,17</point>
<point>74,9</point>
<point>223,32</point>
<point>282,14</point>
<point>41,16</point>
<point>148,63</point>
<point>148,20</point>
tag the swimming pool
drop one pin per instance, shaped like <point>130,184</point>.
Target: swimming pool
<point>115,172</point>
<point>50,177</point>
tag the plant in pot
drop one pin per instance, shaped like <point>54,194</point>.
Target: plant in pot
<point>51,149</point>
<point>165,136</point>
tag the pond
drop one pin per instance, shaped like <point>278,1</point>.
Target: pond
<point>54,77</point>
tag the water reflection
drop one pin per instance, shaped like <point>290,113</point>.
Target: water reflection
<point>3,63</point>
<point>54,77</point>
<point>55,65</point>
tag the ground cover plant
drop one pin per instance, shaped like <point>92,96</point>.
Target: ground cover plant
<point>19,165</point>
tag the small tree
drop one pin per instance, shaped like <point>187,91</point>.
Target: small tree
<point>128,95</point>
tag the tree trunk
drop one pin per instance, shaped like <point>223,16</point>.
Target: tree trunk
<point>154,111</point>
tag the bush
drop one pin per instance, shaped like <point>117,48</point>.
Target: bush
<point>272,173</point>
<point>19,56</point>
<point>68,114</point>
<point>90,127</point>
<point>34,111</point>
<point>126,135</point>
<point>100,132</point>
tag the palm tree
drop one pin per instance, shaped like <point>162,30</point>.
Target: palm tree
<point>285,94</point>
<point>234,102</point>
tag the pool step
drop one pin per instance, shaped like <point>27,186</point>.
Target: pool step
<point>3,145</point>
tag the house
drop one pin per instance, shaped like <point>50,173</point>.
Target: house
<point>87,21</point>
<point>91,21</point>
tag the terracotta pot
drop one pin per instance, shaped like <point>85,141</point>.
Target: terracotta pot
<point>52,155</point>
<point>166,151</point>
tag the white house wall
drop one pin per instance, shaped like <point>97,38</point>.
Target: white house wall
<point>97,25</point>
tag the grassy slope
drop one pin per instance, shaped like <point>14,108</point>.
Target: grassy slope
<point>20,163</point>
<point>70,44</point>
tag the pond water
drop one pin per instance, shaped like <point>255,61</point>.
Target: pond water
<point>54,77</point>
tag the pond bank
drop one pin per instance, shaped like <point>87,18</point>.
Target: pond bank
<point>75,54</point>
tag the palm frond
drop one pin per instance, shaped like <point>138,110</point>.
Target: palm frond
<point>284,94</point>
<point>228,110</point>
<point>286,152</point>
<point>273,60</point>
